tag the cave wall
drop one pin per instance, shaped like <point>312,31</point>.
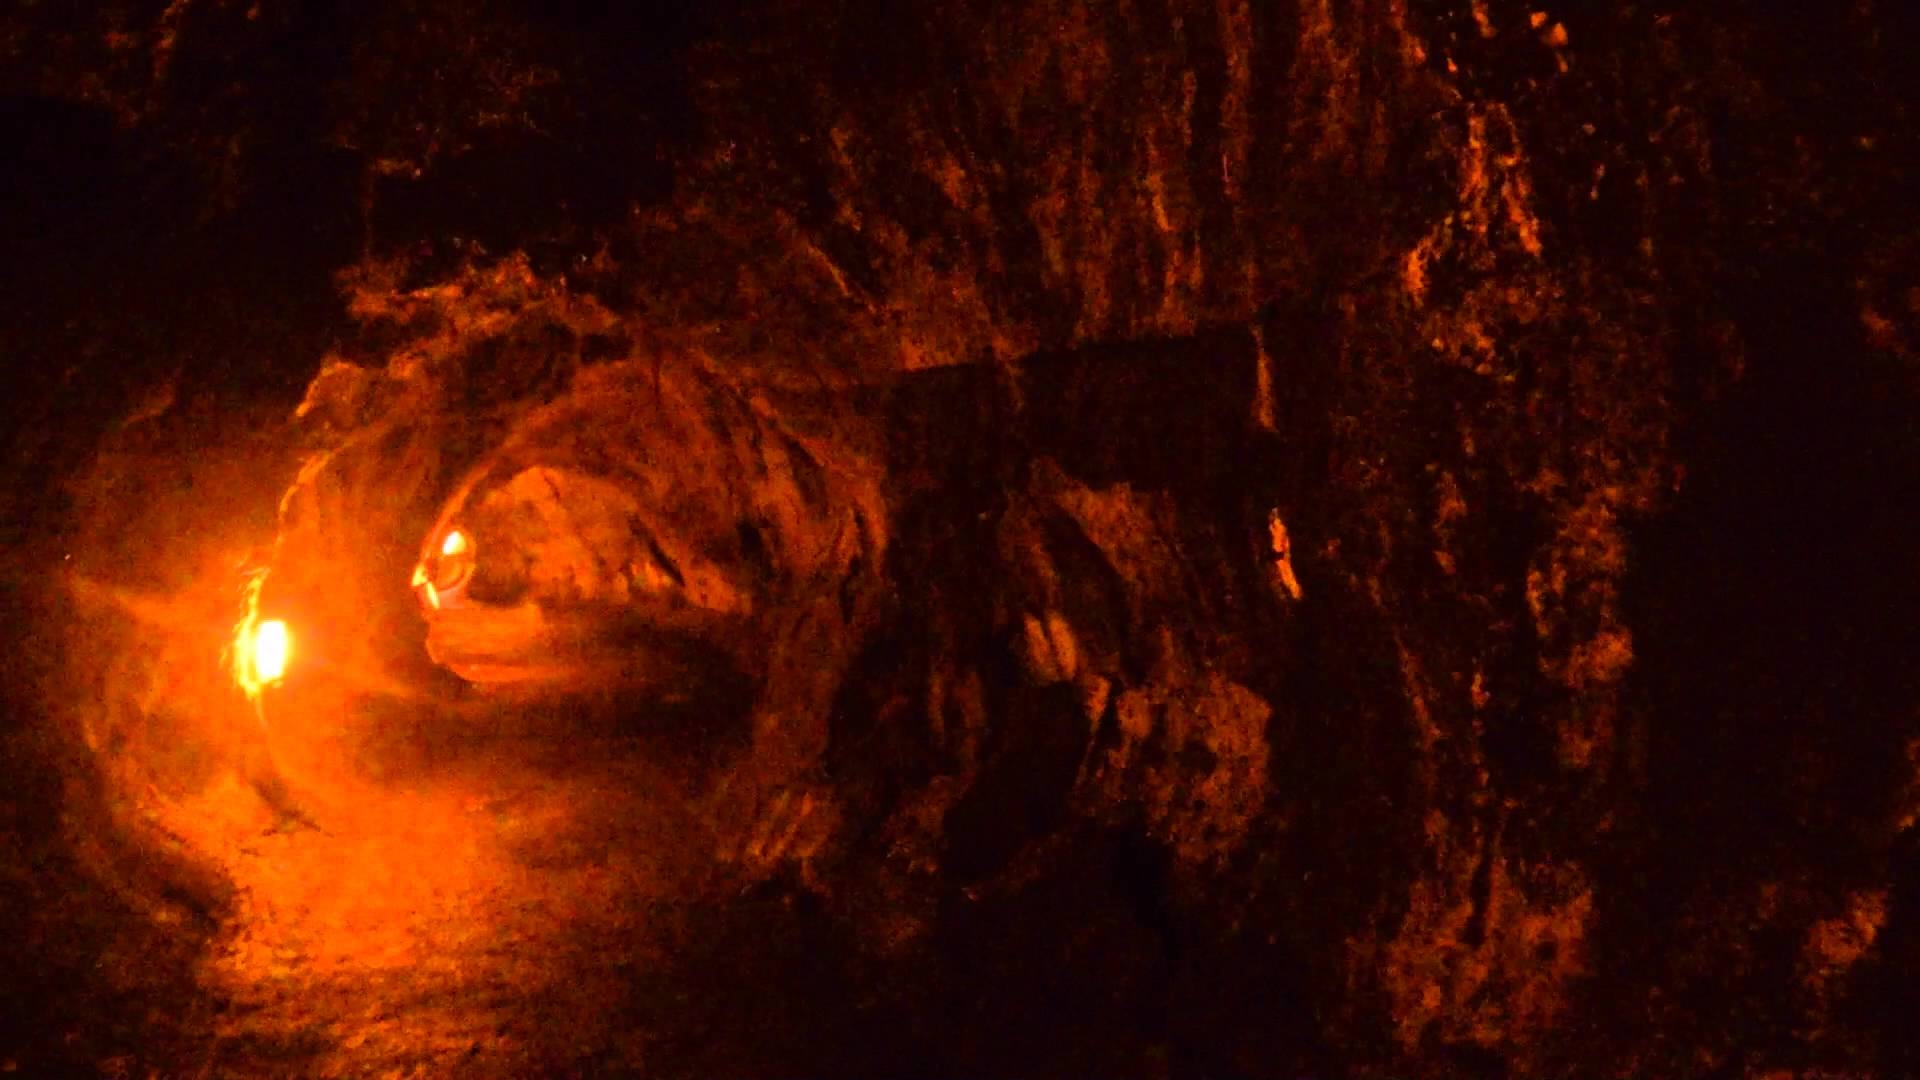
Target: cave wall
<point>1519,279</point>
<point>1581,349</point>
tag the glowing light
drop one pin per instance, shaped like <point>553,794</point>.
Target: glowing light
<point>440,576</point>
<point>261,648</point>
<point>272,646</point>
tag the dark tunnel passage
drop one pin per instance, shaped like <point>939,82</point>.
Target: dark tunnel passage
<point>1149,540</point>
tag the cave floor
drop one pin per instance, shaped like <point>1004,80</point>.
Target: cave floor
<point>546,906</point>
<point>476,919</point>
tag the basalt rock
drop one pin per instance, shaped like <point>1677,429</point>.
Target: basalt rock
<point>1332,537</point>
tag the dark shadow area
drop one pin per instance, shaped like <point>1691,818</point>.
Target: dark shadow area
<point>1776,672</point>
<point>1010,540</point>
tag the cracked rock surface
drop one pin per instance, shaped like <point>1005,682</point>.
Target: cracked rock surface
<point>1055,539</point>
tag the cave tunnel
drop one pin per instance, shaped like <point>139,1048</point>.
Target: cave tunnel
<point>1055,540</point>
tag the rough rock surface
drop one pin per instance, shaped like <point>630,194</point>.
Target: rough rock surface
<point>1364,537</point>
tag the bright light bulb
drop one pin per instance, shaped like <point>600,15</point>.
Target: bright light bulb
<point>455,543</point>
<point>272,645</point>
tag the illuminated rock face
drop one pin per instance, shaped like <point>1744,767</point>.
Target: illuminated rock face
<point>644,503</point>
<point>1409,282</point>
<point>1376,529</point>
<point>1034,533</point>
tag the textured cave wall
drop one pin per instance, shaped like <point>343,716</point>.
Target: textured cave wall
<point>1521,281</point>
<point>1514,275</point>
<point>1585,348</point>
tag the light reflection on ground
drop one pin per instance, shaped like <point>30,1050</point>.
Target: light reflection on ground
<point>468,919</point>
